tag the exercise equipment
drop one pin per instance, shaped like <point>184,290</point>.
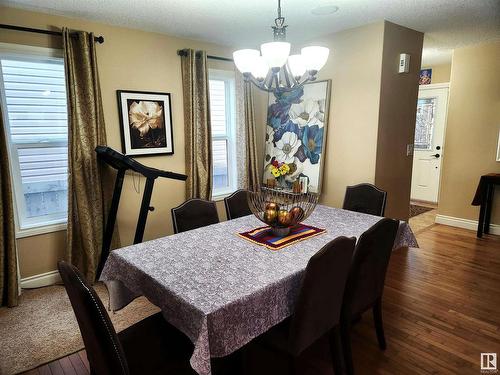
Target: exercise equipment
<point>122,163</point>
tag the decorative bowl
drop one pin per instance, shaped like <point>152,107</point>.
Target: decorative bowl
<point>281,209</point>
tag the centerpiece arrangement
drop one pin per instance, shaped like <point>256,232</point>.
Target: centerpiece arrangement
<point>281,209</point>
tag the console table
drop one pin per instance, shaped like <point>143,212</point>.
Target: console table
<point>484,198</point>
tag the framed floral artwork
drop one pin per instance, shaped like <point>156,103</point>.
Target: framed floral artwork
<point>297,122</point>
<point>145,123</point>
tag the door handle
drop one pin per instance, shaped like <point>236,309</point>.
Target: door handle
<point>436,156</point>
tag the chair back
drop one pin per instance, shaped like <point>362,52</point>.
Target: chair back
<point>104,351</point>
<point>365,198</point>
<point>369,266</point>
<point>319,302</point>
<point>194,213</point>
<point>237,204</point>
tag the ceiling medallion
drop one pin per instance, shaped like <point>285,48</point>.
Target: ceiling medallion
<point>273,68</point>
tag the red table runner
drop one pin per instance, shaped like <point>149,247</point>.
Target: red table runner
<point>264,236</point>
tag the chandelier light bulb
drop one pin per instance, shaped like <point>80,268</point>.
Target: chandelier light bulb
<point>315,57</point>
<point>260,68</point>
<point>275,53</point>
<point>297,65</point>
<point>244,59</point>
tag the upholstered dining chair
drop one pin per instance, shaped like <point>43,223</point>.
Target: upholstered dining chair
<point>317,310</point>
<point>237,204</point>
<point>151,346</point>
<point>365,283</point>
<point>194,213</point>
<point>365,198</point>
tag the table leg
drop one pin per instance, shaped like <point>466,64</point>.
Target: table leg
<point>480,222</point>
<point>489,203</point>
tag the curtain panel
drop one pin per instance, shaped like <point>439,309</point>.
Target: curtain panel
<point>198,134</point>
<point>251,142</point>
<point>86,199</point>
<point>248,169</point>
<point>8,256</point>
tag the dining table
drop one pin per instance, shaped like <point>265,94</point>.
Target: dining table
<point>220,289</point>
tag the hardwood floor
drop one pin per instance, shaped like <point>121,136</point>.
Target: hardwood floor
<point>74,364</point>
<point>440,309</point>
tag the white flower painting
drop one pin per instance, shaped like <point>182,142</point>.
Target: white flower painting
<point>146,123</point>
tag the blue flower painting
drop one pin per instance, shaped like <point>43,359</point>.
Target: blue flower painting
<point>296,131</point>
<point>312,141</point>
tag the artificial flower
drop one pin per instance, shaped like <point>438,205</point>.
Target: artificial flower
<point>312,140</point>
<point>145,115</point>
<point>287,146</point>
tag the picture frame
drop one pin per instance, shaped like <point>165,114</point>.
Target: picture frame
<point>425,77</point>
<point>287,129</point>
<point>498,146</point>
<point>145,123</point>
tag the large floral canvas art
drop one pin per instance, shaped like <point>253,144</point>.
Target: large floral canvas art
<point>296,127</point>
<point>146,123</point>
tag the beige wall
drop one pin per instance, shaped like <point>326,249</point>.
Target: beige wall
<point>397,112</point>
<point>133,60</point>
<point>136,60</point>
<point>354,67</point>
<point>440,73</point>
<point>472,130</point>
<point>372,112</point>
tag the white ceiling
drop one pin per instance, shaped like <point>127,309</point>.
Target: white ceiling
<point>246,23</point>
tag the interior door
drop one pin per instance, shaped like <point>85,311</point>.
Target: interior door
<point>428,147</point>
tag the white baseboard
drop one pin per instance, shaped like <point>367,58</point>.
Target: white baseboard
<point>464,223</point>
<point>44,279</point>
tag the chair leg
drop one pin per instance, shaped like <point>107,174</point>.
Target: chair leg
<point>345,334</point>
<point>379,325</point>
<point>336,350</point>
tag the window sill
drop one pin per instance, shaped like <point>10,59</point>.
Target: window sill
<point>37,230</point>
<point>220,196</point>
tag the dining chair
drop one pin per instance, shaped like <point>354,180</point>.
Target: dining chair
<point>365,198</point>
<point>237,204</point>
<point>365,283</point>
<point>317,308</point>
<point>151,346</point>
<point>194,213</point>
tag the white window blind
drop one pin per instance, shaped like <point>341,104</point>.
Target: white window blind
<point>221,87</point>
<point>34,93</point>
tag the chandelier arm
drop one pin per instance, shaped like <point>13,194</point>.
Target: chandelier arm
<point>268,81</point>
<point>259,84</point>
<point>287,76</point>
<point>276,80</point>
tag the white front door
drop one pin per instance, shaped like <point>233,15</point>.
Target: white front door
<point>428,146</point>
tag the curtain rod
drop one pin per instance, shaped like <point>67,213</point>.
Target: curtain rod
<point>183,52</point>
<point>98,39</point>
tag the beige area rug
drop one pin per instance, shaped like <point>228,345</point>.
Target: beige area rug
<point>43,327</point>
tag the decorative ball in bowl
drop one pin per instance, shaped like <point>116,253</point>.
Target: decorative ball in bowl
<point>281,209</point>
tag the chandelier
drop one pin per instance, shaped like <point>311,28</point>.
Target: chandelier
<point>273,68</point>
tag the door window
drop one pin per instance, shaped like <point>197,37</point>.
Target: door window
<point>426,109</point>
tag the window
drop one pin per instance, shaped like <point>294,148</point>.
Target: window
<point>424,127</point>
<point>33,93</point>
<point>222,116</point>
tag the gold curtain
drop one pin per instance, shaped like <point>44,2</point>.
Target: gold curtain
<point>8,257</point>
<point>251,141</point>
<point>86,130</point>
<point>198,136</point>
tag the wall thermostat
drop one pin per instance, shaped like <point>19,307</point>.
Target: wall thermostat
<point>404,63</point>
